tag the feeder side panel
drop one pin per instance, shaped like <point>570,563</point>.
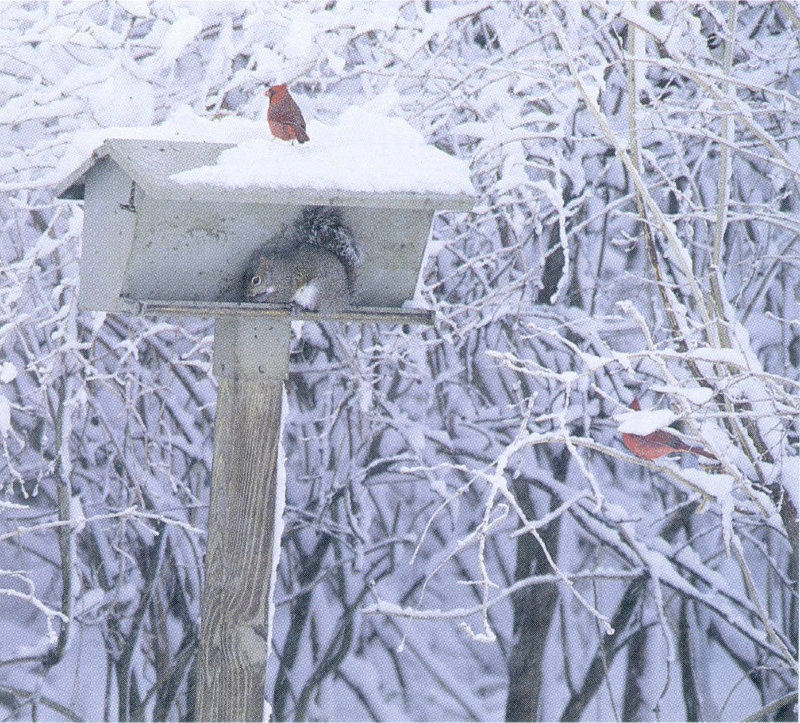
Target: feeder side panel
<point>108,230</point>
<point>393,242</point>
<point>191,251</point>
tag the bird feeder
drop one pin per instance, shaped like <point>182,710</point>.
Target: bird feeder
<point>159,238</point>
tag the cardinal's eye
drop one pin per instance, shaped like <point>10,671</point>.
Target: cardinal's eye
<point>255,281</point>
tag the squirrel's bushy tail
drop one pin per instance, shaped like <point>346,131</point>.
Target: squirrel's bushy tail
<point>324,226</point>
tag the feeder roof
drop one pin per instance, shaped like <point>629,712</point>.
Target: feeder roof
<point>365,160</point>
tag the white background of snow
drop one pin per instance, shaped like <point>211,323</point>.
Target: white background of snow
<point>365,151</point>
<point>119,97</point>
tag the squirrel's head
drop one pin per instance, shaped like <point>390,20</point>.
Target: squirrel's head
<point>259,282</point>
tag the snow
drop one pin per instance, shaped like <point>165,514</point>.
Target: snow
<point>365,151</point>
<point>645,422</point>
<point>790,479</point>
<point>594,362</point>
<point>696,395</point>
<point>8,372</point>
<point>280,505</point>
<point>5,415</point>
<point>76,514</point>
<point>121,99</point>
<point>138,8</point>
<point>630,14</point>
<point>179,35</point>
<point>181,125</point>
<point>718,486</point>
<point>300,37</point>
<point>725,356</point>
<point>5,504</point>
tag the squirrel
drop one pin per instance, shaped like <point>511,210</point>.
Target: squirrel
<point>316,268</point>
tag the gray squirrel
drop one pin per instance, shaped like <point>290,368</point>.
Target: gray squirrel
<point>315,268</point>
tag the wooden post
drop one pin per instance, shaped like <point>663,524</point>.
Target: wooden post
<point>251,360</point>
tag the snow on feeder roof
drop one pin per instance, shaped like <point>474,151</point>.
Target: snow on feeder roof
<point>366,156</point>
<point>173,213</point>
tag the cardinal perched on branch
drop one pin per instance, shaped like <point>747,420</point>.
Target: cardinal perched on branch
<point>658,443</point>
<point>284,117</point>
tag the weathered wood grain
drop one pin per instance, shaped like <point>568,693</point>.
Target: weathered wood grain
<point>231,665</point>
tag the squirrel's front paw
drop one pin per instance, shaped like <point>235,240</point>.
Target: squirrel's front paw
<point>310,298</point>
<point>307,297</point>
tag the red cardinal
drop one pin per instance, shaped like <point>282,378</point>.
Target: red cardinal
<point>284,117</point>
<point>658,443</point>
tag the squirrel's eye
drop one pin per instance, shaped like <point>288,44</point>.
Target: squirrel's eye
<point>255,281</point>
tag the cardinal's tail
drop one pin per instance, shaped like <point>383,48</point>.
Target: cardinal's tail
<point>702,452</point>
